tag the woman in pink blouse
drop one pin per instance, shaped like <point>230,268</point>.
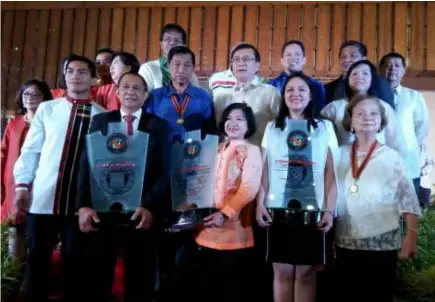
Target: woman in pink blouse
<point>226,242</point>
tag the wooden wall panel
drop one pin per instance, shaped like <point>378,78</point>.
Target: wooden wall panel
<point>36,36</point>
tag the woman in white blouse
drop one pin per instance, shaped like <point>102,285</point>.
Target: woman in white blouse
<point>375,189</point>
<point>362,79</point>
<point>298,282</point>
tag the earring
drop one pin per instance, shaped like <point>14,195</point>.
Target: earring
<point>352,130</point>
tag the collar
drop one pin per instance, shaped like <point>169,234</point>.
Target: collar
<point>398,90</point>
<point>137,114</point>
<point>190,90</point>
<point>78,101</point>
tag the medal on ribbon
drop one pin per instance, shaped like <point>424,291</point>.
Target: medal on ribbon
<point>356,172</point>
<point>180,109</point>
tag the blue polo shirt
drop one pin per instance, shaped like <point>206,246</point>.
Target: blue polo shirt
<point>160,103</point>
<point>319,95</point>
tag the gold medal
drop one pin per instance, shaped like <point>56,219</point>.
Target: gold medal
<point>180,121</point>
<point>353,188</point>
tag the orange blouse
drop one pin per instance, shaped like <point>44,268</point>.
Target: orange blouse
<point>106,97</point>
<point>237,181</point>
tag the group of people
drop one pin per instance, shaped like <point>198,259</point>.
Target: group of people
<point>367,134</point>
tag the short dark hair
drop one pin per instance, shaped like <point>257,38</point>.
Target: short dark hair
<point>180,50</point>
<point>374,88</point>
<point>311,112</point>
<point>361,47</point>
<point>105,50</point>
<point>90,63</point>
<point>42,87</point>
<point>249,116</point>
<point>173,27</point>
<point>247,46</point>
<point>347,119</point>
<point>128,59</point>
<point>392,55</point>
<point>134,74</point>
<point>297,42</point>
<point>60,82</point>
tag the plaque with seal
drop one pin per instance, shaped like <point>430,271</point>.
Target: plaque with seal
<point>291,197</point>
<point>192,180</point>
<point>117,163</point>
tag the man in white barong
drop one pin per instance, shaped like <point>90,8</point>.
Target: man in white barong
<point>45,180</point>
<point>411,112</point>
<point>156,73</point>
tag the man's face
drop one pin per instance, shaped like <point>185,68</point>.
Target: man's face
<point>244,64</point>
<point>293,58</point>
<point>102,63</point>
<point>170,40</point>
<point>78,77</point>
<point>393,70</point>
<point>181,68</point>
<point>348,56</point>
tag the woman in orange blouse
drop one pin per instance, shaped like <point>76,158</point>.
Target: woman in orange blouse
<point>226,242</point>
<point>122,62</point>
<point>29,96</point>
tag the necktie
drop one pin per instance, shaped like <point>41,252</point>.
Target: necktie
<point>129,118</point>
<point>166,76</point>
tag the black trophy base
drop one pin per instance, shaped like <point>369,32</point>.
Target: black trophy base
<point>189,219</point>
<point>116,220</point>
<point>293,238</point>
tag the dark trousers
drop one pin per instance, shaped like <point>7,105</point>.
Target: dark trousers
<point>177,262</point>
<point>139,253</point>
<point>226,275</point>
<point>424,197</point>
<point>263,281</point>
<point>43,232</point>
<point>366,275</point>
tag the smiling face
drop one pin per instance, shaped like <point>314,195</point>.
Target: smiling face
<point>236,125</point>
<point>170,40</point>
<point>360,79</point>
<point>297,95</point>
<point>293,58</point>
<point>367,117</point>
<point>348,56</point>
<point>117,69</point>
<point>131,92</point>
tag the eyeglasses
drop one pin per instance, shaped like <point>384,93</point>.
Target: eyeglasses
<point>33,95</point>
<point>103,62</point>
<point>242,59</point>
<point>175,41</point>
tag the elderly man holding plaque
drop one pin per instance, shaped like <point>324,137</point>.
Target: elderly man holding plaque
<point>298,194</point>
<point>122,182</point>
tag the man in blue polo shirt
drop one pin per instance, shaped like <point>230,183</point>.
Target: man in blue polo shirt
<point>185,106</point>
<point>293,60</point>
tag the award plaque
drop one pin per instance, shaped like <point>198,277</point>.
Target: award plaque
<point>192,180</point>
<point>291,199</point>
<point>117,164</point>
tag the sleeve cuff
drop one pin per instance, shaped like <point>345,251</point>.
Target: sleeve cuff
<point>21,187</point>
<point>228,211</point>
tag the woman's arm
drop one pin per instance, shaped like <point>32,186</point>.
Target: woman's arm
<point>250,183</point>
<point>330,185</point>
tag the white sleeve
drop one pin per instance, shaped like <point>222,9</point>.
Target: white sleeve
<point>26,165</point>
<point>194,81</point>
<point>394,137</point>
<point>147,75</point>
<point>421,118</point>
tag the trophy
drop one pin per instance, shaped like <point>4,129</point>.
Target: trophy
<point>291,199</point>
<point>117,169</point>
<point>192,180</point>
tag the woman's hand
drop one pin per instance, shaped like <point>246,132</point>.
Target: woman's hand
<point>409,246</point>
<point>325,224</point>
<point>262,215</point>
<point>216,220</point>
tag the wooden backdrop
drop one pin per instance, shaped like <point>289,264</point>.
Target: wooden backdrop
<point>36,36</point>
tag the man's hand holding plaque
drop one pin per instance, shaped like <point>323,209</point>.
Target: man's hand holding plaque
<point>87,216</point>
<point>145,218</point>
